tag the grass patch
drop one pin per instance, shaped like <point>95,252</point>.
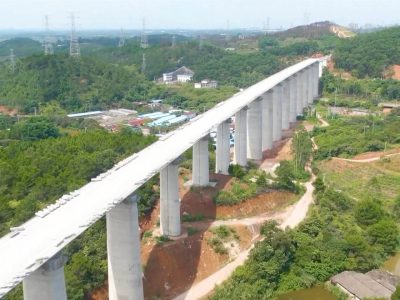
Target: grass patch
<point>192,218</point>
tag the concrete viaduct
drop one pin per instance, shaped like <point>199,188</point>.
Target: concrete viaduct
<point>31,253</point>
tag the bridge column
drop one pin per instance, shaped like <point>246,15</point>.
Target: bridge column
<point>223,151</point>
<point>200,170</point>
<point>300,95</point>
<point>267,120</point>
<point>277,112</point>
<point>170,217</point>
<point>240,154</point>
<point>311,84</point>
<point>48,282</point>
<point>123,251</point>
<point>286,104</point>
<point>254,125</point>
<point>316,80</point>
<point>293,99</point>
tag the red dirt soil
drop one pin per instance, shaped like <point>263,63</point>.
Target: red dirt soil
<point>368,155</point>
<point>7,111</point>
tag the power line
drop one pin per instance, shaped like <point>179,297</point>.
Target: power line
<point>74,49</point>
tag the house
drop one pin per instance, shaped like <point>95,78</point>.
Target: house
<point>206,83</point>
<point>183,74</point>
<point>374,284</point>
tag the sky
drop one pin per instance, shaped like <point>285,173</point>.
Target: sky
<point>194,14</point>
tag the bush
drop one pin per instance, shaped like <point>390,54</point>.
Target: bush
<point>368,212</point>
<point>237,171</point>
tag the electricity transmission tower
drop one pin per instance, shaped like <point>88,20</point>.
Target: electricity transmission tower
<point>201,42</point>
<point>144,42</point>
<point>12,60</point>
<point>144,63</point>
<point>48,46</point>
<point>173,41</point>
<point>122,41</point>
<point>74,49</point>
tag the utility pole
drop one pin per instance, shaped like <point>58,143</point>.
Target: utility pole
<point>74,49</point>
<point>48,46</point>
<point>144,42</point>
<point>12,61</point>
<point>122,41</point>
<point>144,64</point>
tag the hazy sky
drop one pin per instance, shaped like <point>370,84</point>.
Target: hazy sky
<point>191,14</point>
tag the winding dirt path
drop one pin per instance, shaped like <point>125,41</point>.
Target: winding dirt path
<point>290,217</point>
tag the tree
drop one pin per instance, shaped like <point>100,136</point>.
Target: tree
<point>34,128</point>
<point>368,212</point>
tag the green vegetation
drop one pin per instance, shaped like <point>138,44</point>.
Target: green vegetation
<point>370,54</point>
<point>346,137</point>
<point>21,46</point>
<point>329,241</point>
<point>192,218</point>
<point>34,174</point>
<point>221,235</point>
<point>368,91</point>
<point>85,83</point>
<point>246,185</point>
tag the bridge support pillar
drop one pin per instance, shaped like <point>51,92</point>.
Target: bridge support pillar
<point>200,169</point>
<point>240,155</point>
<point>286,104</point>
<point>48,282</point>
<point>316,80</point>
<point>277,112</point>
<point>123,251</point>
<point>293,99</point>
<point>223,151</point>
<point>267,120</point>
<point>254,136</point>
<point>300,95</point>
<point>311,84</point>
<point>170,207</point>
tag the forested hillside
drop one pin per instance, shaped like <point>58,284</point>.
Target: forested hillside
<point>73,83</point>
<point>240,70</point>
<point>22,47</point>
<point>370,54</point>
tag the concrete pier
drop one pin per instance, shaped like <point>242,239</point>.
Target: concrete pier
<point>311,83</point>
<point>254,125</point>
<point>267,120</point>
<point>277,112</point>
<point>170,220</point>
<point>300,95</point>
<point>201,168</point>
<point>240,154</point>
<point>293,99</point>
<point>316,78</point>
<point>123,251</point>
<point>48,282</point>
<point>223,151</point>
<point>286,105</point>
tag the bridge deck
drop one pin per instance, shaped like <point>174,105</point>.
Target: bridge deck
<point>42,237</point>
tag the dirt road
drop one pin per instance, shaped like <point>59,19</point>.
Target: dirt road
<point>290,217</point>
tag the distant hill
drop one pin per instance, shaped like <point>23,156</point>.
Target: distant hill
<point>316,30</point>
<point>22,47</point>
<point>369,54</point>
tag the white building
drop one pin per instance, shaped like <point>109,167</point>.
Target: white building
<point>183,74</point>
<point>206,83</point>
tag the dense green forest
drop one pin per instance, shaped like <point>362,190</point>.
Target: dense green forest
<point>34,173</point>
<point>22,47</point>
<point>72,83</point>
<point>370,54</point>
<point>208,61</point>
